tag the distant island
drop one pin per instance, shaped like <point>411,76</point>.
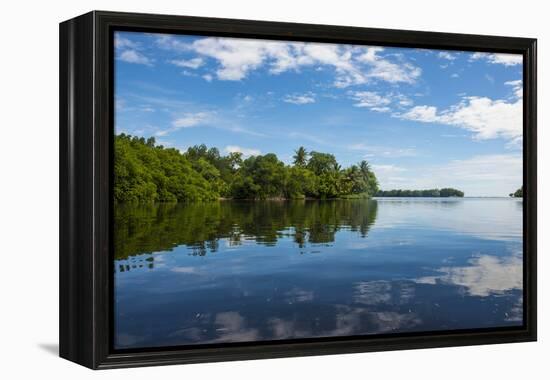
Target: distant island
<point>147,172</point>
<point>438,193</point>
<point>518,193</point>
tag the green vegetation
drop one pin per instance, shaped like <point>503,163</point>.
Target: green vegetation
<point>441,193</point>
<point>146,172</point>
<point>518,193</point>
<point>152,227</point>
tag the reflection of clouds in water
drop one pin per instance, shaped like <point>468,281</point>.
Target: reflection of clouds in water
<point>387,321</point>
<point>494,219</point>
<point>188,270</point>
<point>516,312</point>
<point>486,275</point>
<point>372,292</point>
<point>298,295</point>
<point>383,292</point>
<point>232,328</point>
<point>283,329</point>
<point>352,321</point>
<point>348,321</point>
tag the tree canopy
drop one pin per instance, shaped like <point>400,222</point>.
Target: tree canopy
<point>147,172</point>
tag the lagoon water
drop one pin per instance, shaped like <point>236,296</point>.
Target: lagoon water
<point>240,271</point>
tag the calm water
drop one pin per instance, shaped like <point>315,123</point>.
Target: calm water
<point>247,271</point>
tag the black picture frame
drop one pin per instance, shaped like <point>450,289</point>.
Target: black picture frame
<point>86,156</point>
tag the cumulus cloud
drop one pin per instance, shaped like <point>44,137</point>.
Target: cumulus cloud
<point>370,99</point>
<point>123,42</point>
<point>498,58</point>
<point>247,152</point>
<point>134,56</point>
<point>129,51</point>
<point>352,64</point>
<point>485,117</point>
<point>388,71</point>
<point>517,87</point>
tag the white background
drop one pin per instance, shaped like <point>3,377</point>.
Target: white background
<point>29,187</point>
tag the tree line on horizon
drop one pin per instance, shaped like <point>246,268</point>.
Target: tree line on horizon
<point>147,172</point>
<point>437,193</point>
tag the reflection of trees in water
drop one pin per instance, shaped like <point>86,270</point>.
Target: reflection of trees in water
<point>151,228</point>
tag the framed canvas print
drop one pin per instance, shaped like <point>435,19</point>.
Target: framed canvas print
<point>236,189</point>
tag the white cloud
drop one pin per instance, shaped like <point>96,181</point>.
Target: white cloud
<point>381,109</point>
<point>133,56</point>
<point>454,75</point>
<point>122,42</point>
<point>377,102</point>
<point>245,151</point>
<point>385,70</point>
<point>169,42</point>
<point>352,64</point>
<point>485,117</point>
<point>403,100</point>
<point>369,99</point>
<point>208,77</point>
<point>486,168</point>
<point>193,63</point>
<point>187,120</point>
<point>498,58</point>
<point>426,114</point>
<point>300,98</point>
<point>235,56</point>
<point>480,175</point>
<point>387,168</point>
<point>383,151</point>
<point>391,176</point>
<point>190,120</point>
<point>446,55</point>
<point>517,86</point>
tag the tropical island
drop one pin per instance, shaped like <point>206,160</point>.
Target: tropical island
<point>437,193</point>
<point>147,172</point>
<point>517,194</point>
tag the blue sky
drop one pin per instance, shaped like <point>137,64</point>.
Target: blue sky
<point>422,118</point>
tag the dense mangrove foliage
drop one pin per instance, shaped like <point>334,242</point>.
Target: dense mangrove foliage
<point>147,172</point>
<point>443,193</point>
<point>518,193</point>
<point>152,227</point>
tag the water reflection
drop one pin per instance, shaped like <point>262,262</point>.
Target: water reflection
<point>484,275</point>
<point>200,226</point>
<point>249,271</point>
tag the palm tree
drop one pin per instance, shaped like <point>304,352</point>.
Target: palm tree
<point>365,167</point>
<point>300,157</point>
